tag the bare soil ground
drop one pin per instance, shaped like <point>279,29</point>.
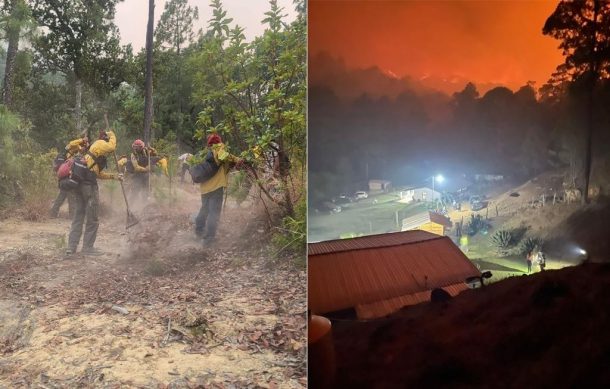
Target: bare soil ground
<point>155,310</point>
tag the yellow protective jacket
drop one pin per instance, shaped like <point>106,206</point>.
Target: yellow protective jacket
<point>101,148</point>
<point>74,147</point>
<point>220,180</point>
<point>140,161</point>
<point>138,168</point>
<point>162,163</point>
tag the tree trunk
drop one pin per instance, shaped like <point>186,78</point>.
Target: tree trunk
<point>585,195</point>
<point>148,97</point>
<point>78,88</point>
<point>11,54</point>
<point>593,74</point>
<point>284,172</point>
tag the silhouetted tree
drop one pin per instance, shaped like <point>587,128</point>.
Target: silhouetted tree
<point>583,27</point>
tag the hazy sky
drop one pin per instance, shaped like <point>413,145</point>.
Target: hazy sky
<point>483,41</point>
<point>132,16</point>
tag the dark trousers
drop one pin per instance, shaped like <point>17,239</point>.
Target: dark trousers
<point>529,266</point>
<point>61,197</point>
<point>209,214</point>
<point>139,186</point>
<point>86,199</point>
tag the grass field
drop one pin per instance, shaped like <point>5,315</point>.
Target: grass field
<point>363,217</point>
<point>483,254</point>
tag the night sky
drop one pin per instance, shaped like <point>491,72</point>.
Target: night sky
<point>487,42</point>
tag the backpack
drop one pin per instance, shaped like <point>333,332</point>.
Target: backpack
<point>65,168</point>
<point>202,172</point>
<point>75,170</point>
<point>58,161</point>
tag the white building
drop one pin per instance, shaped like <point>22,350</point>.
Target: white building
<point>419,194</point>
<point>380,185</point>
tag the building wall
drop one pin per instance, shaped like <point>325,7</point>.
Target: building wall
<point>380,185</point>
<point>433,228</point>
<point>425,194</point>
<point>407,195</point>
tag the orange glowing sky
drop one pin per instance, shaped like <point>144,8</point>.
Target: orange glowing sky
<point>490,41</point>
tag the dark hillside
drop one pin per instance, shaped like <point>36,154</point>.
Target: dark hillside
<point>546,330</point>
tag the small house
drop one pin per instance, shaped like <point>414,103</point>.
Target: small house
<point>427,221</point>
<point>380,185</point>
<point>373,276</point>
<point>425,194</point>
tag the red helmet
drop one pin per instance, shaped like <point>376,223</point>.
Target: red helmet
<point>214,139</point>
<point>138,145</point>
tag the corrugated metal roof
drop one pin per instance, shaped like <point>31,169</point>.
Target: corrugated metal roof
<point>423,218</point>
<point>440,219</point>
<point>379,279</point>
<point>368,242</point>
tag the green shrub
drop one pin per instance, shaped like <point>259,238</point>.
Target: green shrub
<point>9,166</point>
<point>292,236</point>
<point>477,224</point>
<point>26,176</point>
<point>239,186</point>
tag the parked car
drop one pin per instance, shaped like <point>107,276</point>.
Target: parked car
<point>361,195</point>
<point>477,204</point>
<point>330,207</point>
<point>342,199</point>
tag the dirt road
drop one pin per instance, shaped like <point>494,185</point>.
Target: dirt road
<point>156,310</point>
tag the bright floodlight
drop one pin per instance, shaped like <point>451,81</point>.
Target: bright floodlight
<point>440,179</point>
<point>582,252</point>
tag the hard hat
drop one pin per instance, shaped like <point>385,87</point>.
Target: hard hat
<point>137,144</point>
<point>214,139</point>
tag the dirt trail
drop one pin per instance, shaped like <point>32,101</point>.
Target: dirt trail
<point>156,310</point>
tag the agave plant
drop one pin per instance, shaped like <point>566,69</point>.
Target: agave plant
<point>529,244</point>
<point>502,240</point>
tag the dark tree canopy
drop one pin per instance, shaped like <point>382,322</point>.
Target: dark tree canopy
<point>79,37</point>
<point>583,28</point>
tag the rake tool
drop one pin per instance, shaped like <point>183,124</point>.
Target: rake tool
<point>132,220</point>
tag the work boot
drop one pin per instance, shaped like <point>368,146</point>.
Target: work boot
<point>70,252</point>
<point>209,242</point>
<point>53,214</point>
<point>91,251</point>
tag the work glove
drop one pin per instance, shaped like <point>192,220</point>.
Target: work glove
<point>120,176</point>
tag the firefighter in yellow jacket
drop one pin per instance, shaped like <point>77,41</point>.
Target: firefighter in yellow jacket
<point>77,146</point>
<point>140,164</point>
<point>87,193</point>
<point>125,164</point>
<point>212,190</point>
